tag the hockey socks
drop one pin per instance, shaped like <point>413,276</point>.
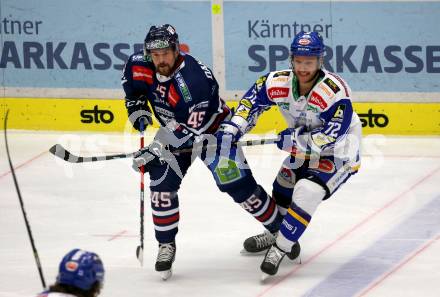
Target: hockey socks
<point>293,226</point>
<point>262,207</point>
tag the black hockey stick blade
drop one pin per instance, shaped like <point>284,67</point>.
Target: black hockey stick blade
<point>140,254</point>
<point>59,151</point>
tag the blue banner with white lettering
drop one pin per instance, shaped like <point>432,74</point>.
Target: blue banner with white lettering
<point>375,46</point>
<point>84,44</point>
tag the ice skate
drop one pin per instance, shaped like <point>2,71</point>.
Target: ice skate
<point>294,252</point>
<point>271,261</point>
<point>165,259</point>
<point>258,243</point>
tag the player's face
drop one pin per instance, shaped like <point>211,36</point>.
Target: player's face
<point>163,60</point>
<point>305,68</point>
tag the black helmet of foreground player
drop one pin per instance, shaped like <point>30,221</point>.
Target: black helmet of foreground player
<point>161,46</point>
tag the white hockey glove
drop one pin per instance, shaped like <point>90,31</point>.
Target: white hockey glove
<point>229,132</point>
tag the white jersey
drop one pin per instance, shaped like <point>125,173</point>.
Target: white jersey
<point>329,124</point>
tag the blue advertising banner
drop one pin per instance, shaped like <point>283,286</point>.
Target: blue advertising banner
<point>84,44</point>
<point>375,46</point>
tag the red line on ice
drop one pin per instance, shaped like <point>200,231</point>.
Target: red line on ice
<point>349,232</point>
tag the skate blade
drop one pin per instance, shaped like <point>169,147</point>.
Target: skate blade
<point>244,252</point>
<point>264,277</point>
<point>165,275</point>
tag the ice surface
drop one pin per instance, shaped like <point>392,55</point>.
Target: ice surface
<point>96,207</point>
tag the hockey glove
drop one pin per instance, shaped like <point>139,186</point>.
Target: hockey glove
<point>291,140</point>
<point>228,133</point>
<point>156,150</point>
<point>145,155</point>
<point>138,111</point>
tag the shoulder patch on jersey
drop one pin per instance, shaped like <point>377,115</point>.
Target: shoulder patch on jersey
<point>281,73</point>
<point>342,82</point>
<point>183,87</point>
<point>316,99</point>
<point>246,103</point>
<point>277,92</point>
<point>143,73</point>
<point>339,113</point>
<point>332,85</point>
<point>260,82</point>
<point>323,87</point>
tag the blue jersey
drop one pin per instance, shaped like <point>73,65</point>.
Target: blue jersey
<point>187,102</point>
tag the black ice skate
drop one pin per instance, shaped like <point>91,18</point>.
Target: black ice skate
<point>260,242</point>
<point>294,252</point>
<point>165,259</point>
<point>272,261</point>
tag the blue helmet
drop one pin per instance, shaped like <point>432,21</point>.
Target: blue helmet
<point>307,44</point>
<point>81,269</point>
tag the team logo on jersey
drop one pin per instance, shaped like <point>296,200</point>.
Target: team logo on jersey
<point>316,99</point>
<point>143,73</point>
<point>332,85</point>
<point>277,92</point>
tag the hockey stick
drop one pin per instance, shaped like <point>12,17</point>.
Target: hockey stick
<point>140,248</point>
<point>28,227</point>
<point>59,151</point>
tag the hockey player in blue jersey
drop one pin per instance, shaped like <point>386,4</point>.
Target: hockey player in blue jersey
<point>184,98</point>
<point>323,139</point>
<point>80,274</point>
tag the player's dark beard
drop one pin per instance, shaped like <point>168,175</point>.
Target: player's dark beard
<point>164,69</point>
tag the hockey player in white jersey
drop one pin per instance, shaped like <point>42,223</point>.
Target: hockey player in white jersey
<point>80,274</point>
<point>323,139</point>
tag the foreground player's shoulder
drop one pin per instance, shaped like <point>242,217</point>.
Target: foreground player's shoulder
<point>329,89</point>
<point>279,78</point>
<point>196,68</point>
<point>335,85</point>
<point>278,84</point>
